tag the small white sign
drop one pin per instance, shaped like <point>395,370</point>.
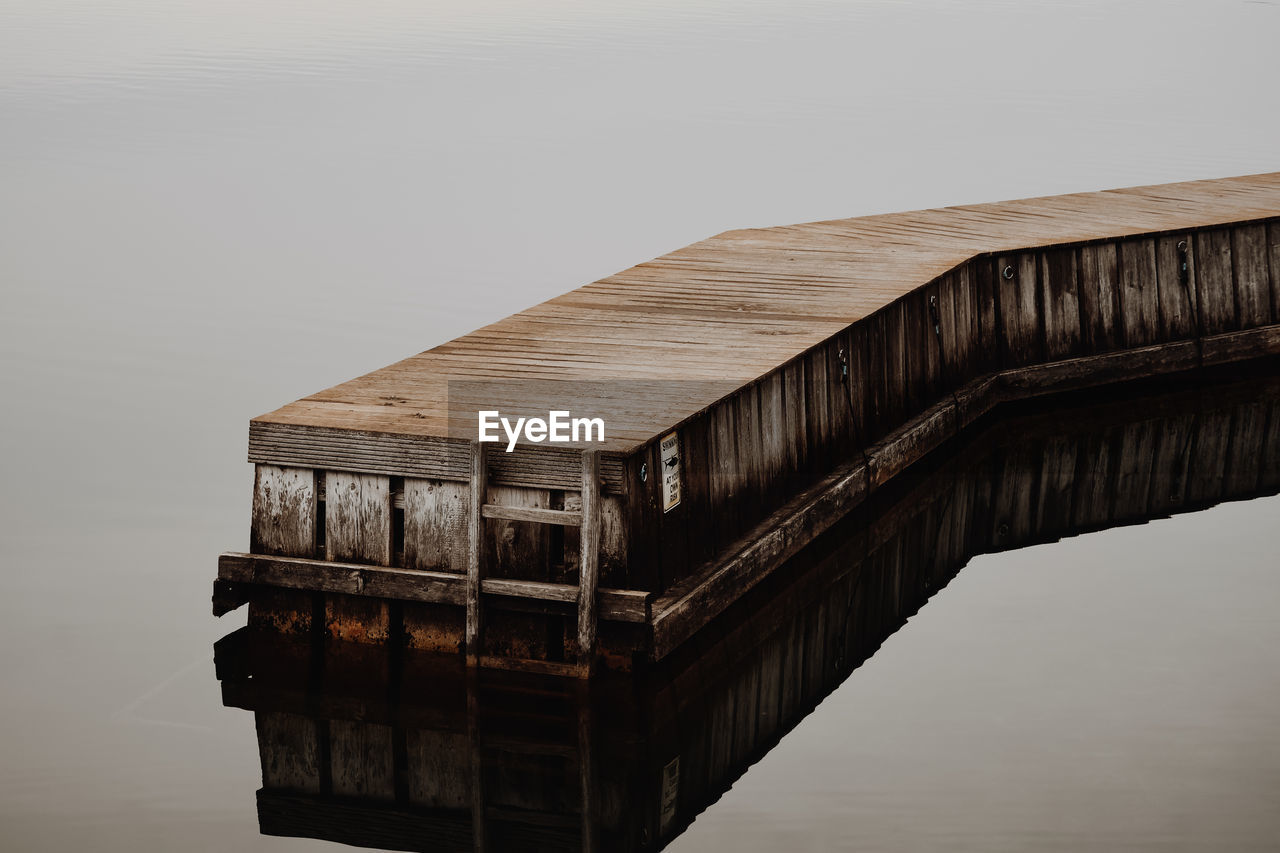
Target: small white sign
<point>670,471</point>
<point>670,794</point>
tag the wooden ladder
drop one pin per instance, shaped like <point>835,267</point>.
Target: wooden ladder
<point>587,520</point>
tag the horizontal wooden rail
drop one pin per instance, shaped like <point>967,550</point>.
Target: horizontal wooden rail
<point>566,517</point>
<point>616,605</point>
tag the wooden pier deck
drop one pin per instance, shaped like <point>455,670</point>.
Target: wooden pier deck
<point>794,370</point>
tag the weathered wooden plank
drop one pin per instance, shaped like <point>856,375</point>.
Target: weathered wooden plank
<point>284,511</point>
<point>901,448</point>
<point>518,548</point>
<point>1249,256</point>
<point>1099,292</point>
<point>1273,266</point>
<point>1059,294</point>
<point>435,524</point>
<point>478,496</point>
<point>354,579</point>
<point>1139,293</point>
<point>1231,347</point>
<point>357,518</point>
<point>1174,277</point>
<point>589,562</point>
<point>535,514</point>
<point>1017,290</point>
<point>1215,288</point>
<point>986,281</point>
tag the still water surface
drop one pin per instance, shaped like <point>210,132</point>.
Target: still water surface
<point>207,209</point>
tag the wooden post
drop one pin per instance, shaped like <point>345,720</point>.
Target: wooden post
<point>589,560</point>
<point>475,551</point>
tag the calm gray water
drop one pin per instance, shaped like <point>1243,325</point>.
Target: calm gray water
<point>208,209</point>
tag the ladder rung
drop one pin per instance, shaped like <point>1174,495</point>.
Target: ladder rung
<point>567,517</point>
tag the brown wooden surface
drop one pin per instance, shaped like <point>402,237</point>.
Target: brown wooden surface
<point>730,309</point>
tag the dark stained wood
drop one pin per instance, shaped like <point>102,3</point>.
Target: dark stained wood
<point>1215,287</point>
<point>1017,289</point>
<point>1059,296</point>
<point>1174,279</point>
<point>1139,293</point>
<point>410,585</point>
<point>475,548</point>
<point>1249,256</point>
<point>1099,293</point>
<point>537,515</point>
<point>589,562</point>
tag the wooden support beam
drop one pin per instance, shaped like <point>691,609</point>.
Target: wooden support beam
<point>239,570</point>
<point>538,515</point>
<point>475,549</point>
<point>589,561</point>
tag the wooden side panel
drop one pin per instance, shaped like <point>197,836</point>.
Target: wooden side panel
<point>817,406</point>
<point>1060,297</point>
<point>725,485</point>
<point>357,518</point>
<point>1215,291</point>
<point>289,748</point>
<point>986,281</point>
<point>284,511</point>
<point>695,473</point>
<point>796,428</point>
<point>895,366</point>
<point>1174,276</point>
<point>1253,287</point>
<point>918,336</point>
<point>613,543</point>
<point>776,463</point>
<point>435,525</point>
<point>1099,292</point>
<point>876,391</point>
<point>750,457</point>
<point>641,483</point>
<point>361,760</point>
<point>518,549</point>
<point>1139,294</point>
<point>1017,289</point>
<point>1273,266</point>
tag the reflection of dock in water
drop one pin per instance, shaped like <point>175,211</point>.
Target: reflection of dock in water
<point>376,746</point>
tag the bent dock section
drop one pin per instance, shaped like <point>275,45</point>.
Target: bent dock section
<point>755,388</point>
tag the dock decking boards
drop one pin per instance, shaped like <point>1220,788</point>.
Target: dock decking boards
<point>787,360</point>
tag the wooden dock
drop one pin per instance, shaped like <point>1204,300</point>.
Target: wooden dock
<point>377,746</point>
<point>790,371</point>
